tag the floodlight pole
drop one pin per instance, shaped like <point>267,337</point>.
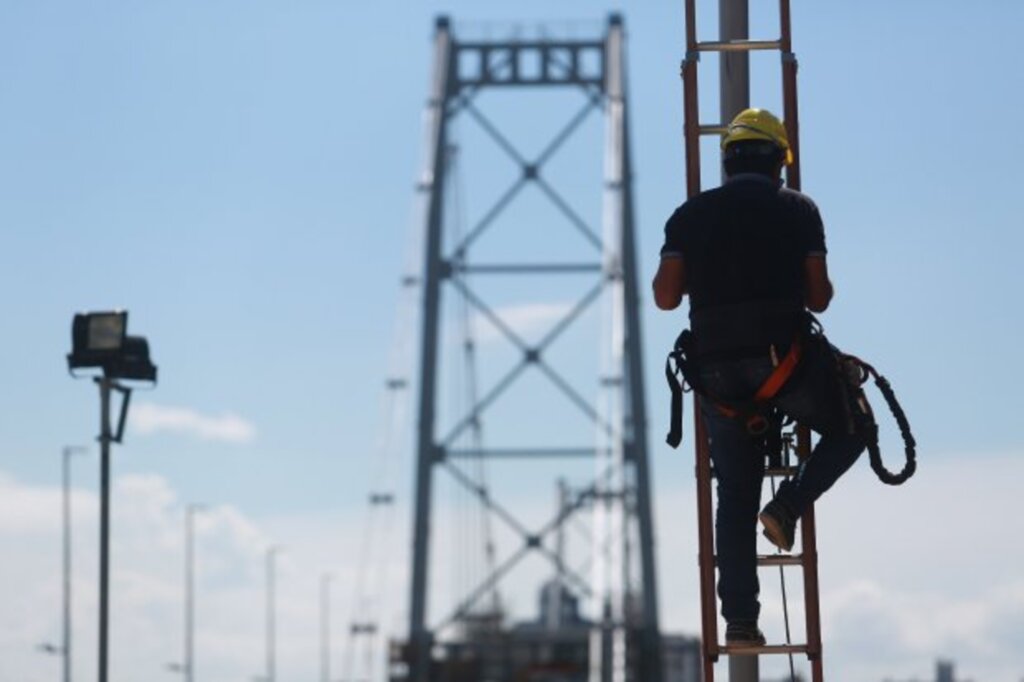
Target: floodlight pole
<point>325,627</point>
<point>66,552</point>
<point>98,340</point>
<point>106,437</point>
<point>271,623</point>
<point>190,593</point>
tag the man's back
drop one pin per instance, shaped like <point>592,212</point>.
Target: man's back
<point>744,246</point>
<point>745,241</point>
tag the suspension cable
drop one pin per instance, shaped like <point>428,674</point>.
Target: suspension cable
<point>474,515</point>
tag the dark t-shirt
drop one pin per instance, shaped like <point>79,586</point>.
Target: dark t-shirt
<point>744,242</point>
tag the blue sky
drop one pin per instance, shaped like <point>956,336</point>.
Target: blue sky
<point>239,176</point>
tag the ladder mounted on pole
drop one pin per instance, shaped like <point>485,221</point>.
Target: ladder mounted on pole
<point>807,559</point>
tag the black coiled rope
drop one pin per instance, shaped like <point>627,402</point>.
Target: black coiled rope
<point>871,427</point>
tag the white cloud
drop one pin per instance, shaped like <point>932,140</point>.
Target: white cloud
<point>908,575</point>
<point>525,319</point>
<point>147,555</point>
<point>149,418</point>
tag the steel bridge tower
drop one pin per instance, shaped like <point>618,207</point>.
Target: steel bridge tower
<point>625,640</point>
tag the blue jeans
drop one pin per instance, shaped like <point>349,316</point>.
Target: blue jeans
<point>812,397</point>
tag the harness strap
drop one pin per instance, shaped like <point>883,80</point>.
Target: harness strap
<point>675,430</point>
<point>853,372</point>
<point>777,379</point>
<point>750,412</point>
<point>678,378</point>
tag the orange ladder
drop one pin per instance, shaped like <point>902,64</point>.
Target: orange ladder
<point>807,559</point>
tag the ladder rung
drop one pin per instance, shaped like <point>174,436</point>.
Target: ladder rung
<point>780,560</point>
<point>772,471</point>
<point>777,560</point>
<point>739,45</point>
<point>714,129</point>
<point>764,650</point>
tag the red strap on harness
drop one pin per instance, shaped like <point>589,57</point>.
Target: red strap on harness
<point>774,383</point>
<point>756,423</point>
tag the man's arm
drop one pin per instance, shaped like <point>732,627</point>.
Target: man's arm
<point>817,287</point>
<point>670,283</point>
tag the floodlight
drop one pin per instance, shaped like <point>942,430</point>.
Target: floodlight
<point>100,340</point>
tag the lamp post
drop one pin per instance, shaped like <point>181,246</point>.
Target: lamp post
<point>271,674</point>
<point>66,454</point>
<point>188,665</point>
<point>190,592</point>
<point>64,650</point>
<point>100,341</point>
<point>325,627</point>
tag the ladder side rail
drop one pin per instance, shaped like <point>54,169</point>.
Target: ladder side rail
<point>812,607</point>
<point>790,110</point>
<point>691,108</point>
<point>706,548</point>
<point>705,528</point>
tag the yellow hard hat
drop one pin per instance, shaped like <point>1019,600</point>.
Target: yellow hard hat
<point>758,124</point>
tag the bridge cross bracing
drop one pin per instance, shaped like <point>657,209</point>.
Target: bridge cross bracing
<point>625,641</point>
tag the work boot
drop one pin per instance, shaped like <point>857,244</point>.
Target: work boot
<point>779,524</point>
<point>743,633</point>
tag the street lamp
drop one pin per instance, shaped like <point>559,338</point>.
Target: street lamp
<point>66,453</point>
<point>100,341</point>
<point>64,650</point>
<point>188,666</point>
<point>271,673</point>
<point>325,627</point>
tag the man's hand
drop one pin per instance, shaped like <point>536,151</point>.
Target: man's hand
<point>817,287</point>
<point>670,283</point>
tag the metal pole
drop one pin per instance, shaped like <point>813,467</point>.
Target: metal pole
<point>432,184</point>
<point>637,451</point>
<point>271,616</point>
<point>190,595</point>
<point>734,68</point>
<point>734,80</point>
<point>66,515</point>
<point>325,628</point>
<point>105,439</point>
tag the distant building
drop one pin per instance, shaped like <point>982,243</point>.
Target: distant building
<point>553,648</point>
<point>944,672</point>
<point>681,656</point>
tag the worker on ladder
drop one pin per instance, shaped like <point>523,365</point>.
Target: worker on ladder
<point>751,256</point>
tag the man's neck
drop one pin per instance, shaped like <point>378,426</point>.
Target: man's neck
<point>757,177</point>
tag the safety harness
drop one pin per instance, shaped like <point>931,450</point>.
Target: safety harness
<point>762,420</point>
